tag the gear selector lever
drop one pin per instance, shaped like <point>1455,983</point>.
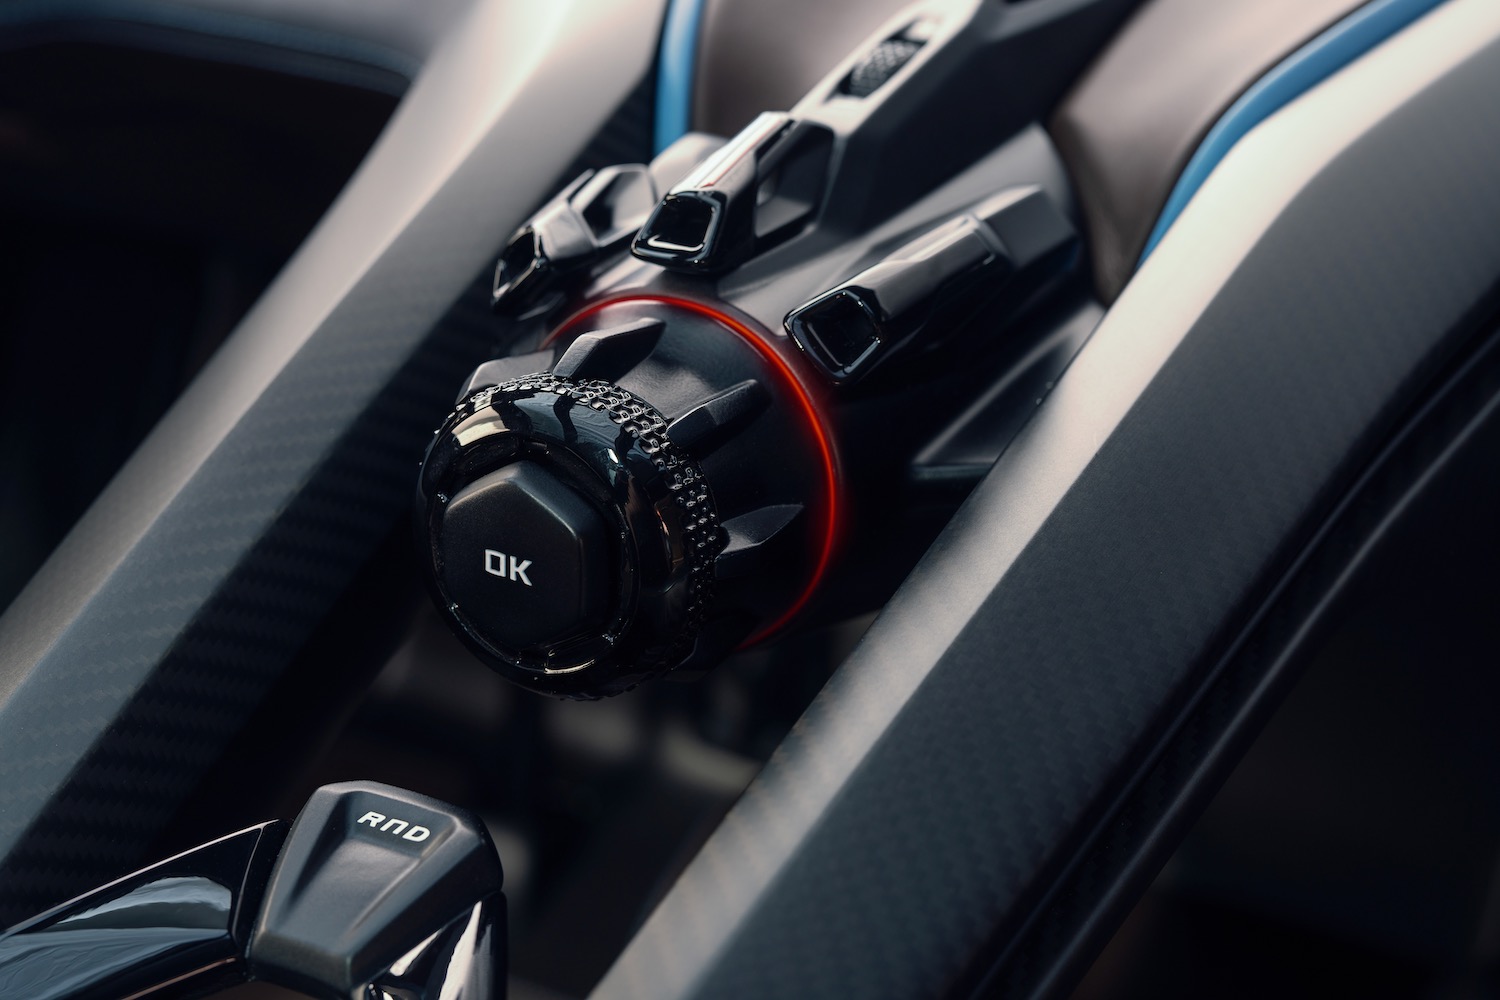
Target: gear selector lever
<point>376,893</point>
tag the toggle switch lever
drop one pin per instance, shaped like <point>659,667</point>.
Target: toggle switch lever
<point>376,893</point>
<point>756,190</point>
<point>593,215</point>
<point>1003,248</point>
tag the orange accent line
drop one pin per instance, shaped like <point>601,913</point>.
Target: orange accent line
<point>805,403</point>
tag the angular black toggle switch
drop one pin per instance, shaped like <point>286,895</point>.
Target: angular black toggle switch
<point>916,296</point>
<point>753,539</point>
<point>849,329</point>
<point>720,417</point>
<point>369,879</point>
<point>593,215</point>
<point>525,558</point>
<point>754,192</point>
<point>609,353</point>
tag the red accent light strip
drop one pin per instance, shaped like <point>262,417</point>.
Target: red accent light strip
<point>820,436</point>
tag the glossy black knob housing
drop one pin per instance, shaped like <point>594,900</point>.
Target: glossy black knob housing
<point>571,541</point>
<point>641,504</point>
<point>550,577</point>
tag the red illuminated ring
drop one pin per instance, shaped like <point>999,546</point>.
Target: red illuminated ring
<point>829,532</point>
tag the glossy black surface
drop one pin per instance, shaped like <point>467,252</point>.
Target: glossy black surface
<point>590,480</point>
<point>371,881</point>
<point>183,922</point>
<point>961,286</point>
<point>998,299</point>
<point>822,498</point>
<point>594,214</point>
<point>965,295</point>
<point>750,194</point>
<point>464,961</point>
<point>919,297</point>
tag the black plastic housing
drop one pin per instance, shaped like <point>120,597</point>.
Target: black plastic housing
<point>889,230</point>
<point>593,215</point>
<point>177,928</point>
<point>974,290</point>
<point>375,891</point>
<point>751,194</point>
<point>685,432</point>
<point>920,296</point>
<point>369,872</point>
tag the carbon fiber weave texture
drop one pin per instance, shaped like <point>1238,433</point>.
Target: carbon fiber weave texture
<point>215,601</point>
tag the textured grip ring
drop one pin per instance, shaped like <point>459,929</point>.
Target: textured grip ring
<point>610,447</point>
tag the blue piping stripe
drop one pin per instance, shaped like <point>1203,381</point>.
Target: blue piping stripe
<point>1304,69</point>
<point>674,71</point>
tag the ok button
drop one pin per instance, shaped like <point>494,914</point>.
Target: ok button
<point>526,558</point>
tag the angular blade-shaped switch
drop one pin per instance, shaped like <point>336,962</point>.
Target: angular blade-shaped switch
<point>368,875</point>
<point>590,218</point>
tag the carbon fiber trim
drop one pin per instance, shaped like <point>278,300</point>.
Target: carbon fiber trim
<point>146,642</point>
<point>927,802</point>
<point>1128,847</point>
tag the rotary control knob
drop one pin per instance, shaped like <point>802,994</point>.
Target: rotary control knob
<point>639,501</point>
<point>583,562</point>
